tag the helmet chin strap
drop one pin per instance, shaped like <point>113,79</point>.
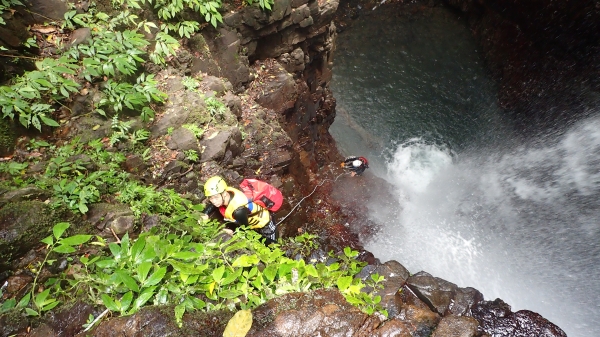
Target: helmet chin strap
<point>225,199</point>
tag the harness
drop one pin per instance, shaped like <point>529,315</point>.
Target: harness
<point>258,217</point>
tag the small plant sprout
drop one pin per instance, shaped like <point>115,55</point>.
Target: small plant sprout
<point>191,155</point>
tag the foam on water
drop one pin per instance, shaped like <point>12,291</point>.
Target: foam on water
<point>523,225</point>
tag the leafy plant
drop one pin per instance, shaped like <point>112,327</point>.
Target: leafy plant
<point>195,129</point>
<point>119,94</point>
<point>170,9</point>
<point>49,83</point>
<point>190,83</point>
<point>55,244</point>
<point>191,155</point>
<point>264,4</point>
<point>13,168</point>
<point>165,47</point>
<point>215,107</point>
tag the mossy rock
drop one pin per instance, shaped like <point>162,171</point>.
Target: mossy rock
<point>22,225</point>
<point>8,137</point>
<point>13,321</point>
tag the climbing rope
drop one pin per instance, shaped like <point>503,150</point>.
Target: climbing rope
<point>311,193</point>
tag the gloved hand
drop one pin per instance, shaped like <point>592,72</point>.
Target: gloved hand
<point>209,209</point>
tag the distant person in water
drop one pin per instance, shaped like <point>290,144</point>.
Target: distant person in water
<point>356,165</point>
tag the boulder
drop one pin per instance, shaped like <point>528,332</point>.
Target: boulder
<point>216,144</point>
<point>22,225</point>
<point>496,319</point>
<point>278,91</point>
<point>455,326</point>
<point>183,139</point>
<point>24,193</point>
<point>437,293</point>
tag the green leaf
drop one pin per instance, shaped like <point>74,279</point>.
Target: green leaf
<point>41,298</point>
<point>217,273</point>
<point>137,248</point>
<point>63,69</point>
<point>106,263</point>
<point>9,304</point>
<point>245,261</point>
<point>126,301</point>
<point>82,208</point>
<point>156,277</point>
<point>179,311</point>
<point>232,276</point>
<point>52,305</point>
<point>64,249</point>
<point>115,249</point>
<point>311,270</point>
<point>49,241</point>
<point>109,302</point>
<point>142,299</point>
<point>31,312</point>
<point>75,240</point>
<point>24,301</point>
<point>60,228</point>
<point>270,272</point>
<point>236,246</point>
<point>185,268</point>
<point>187,255</point>
<point>227,293</point>
<point>127,280</point>
<point>142,271</point>
<point>344,282</point>
<point>49,121</point>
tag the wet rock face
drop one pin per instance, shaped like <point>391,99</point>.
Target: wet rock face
<point>496,319</point>
<point>22,225</point>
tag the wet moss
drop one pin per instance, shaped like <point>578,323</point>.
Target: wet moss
<point>198,43</point>
<point>8,137</point>
<point>12,322</point>
<point>23,224</point>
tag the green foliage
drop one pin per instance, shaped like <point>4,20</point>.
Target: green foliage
<point>169,10</point>
<point>146,199</point>
<point>42,301</point>
<point>13,168</point>
<point>109,55</point>
<point>191,155</point>
<point>165,47</point>
<point>133,97</point>
<point>196,270</point>
<point>52,81</point>
<point>215,107</point>
<point>190,83</point>
<point>264,4</point>
<point>121,131</point>
<point>195,129</point>
<point>68,178</point>
<point>31,42</point>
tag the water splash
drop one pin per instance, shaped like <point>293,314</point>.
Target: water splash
<point>520,225</point>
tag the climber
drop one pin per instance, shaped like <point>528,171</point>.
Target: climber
<point>235,207</point>
<point>356,165</point>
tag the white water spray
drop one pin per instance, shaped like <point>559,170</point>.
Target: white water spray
<point>523,226</point>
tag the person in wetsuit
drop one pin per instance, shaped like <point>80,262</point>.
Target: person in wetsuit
<point>356,165</point>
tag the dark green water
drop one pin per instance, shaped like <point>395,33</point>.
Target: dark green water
<point>476,204</point>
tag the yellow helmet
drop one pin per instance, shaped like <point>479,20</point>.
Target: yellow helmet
<point>214,185</point>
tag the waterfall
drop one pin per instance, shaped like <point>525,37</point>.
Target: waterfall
<point>521,224</point>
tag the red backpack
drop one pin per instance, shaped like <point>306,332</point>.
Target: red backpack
<point>262,193</point>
